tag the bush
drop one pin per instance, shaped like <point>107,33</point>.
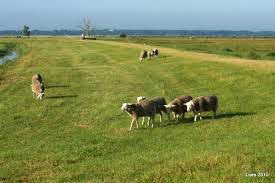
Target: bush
<point>227,50</point>
<point>122,35</point>
<point>271,54</point>
<point>252,55</point>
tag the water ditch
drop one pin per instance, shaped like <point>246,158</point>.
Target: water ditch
<point>9,57</point>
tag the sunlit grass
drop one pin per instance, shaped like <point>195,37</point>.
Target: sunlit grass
<point>78,133</point>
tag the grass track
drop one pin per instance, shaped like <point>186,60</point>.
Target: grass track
<point>79,134</point>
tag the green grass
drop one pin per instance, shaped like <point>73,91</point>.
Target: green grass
<point>257,49</point>
<point>78,133</point>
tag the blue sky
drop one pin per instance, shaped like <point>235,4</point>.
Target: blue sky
<point>139,14</point>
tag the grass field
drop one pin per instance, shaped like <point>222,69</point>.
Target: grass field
<point>257,49</point>
<point>79,134</point>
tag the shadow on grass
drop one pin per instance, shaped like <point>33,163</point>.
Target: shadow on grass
<point>58,86</point>
<point>219,116</point>
<point>61,96</point>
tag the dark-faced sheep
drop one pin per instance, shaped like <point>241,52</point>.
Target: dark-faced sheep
<point>143,55</point>
<point>202,104</point>
<point>141,109</point>
<point>177,106</point>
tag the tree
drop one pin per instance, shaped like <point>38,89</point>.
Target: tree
<point>87,27</point>
<point>122,35</point>
<point>26,31</point>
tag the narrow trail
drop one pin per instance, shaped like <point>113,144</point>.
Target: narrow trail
<point>266,65</point>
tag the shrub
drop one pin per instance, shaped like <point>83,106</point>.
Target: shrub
<point>252,55</point>
<point>271,54</point>
<point>227,50</point>
<point>122,35</point>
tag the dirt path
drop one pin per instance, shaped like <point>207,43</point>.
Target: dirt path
<point>258,64</point>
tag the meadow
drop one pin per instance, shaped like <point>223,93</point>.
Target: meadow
<point>79,134</point>
<point>251,48</point>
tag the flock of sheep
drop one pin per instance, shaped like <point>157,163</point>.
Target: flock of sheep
<point>149,108</point>
<point>179,106</point>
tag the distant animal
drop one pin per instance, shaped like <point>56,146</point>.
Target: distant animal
<point>159,103</point>
<point>143,55</point>
<point>143,108</point>
<point>155,51</point>
<point>37,77</point>
<point>201,104</point>
<point>177,106</point>
<point>151,54</point>
<point>37,86</point>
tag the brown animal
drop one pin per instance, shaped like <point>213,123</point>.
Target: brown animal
<point>202,104</point>
<point>37,87</point>
<point>159,102</point>
<point>177,106</point>
<point>143,108</point>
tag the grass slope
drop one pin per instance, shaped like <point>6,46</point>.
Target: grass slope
<point>257,49</point>
<point>79,134</point>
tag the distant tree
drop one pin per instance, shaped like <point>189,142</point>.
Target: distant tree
<point>122,35</point>
<point>26,31</point>
<point>87,27</point>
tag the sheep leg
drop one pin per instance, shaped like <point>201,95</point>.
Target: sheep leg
<point>133,120</point>
<point>174,115</point>
<point>168,116</point>
<point>200,116</point>
<point>160,119</point>
<point>195,116</point>
<point>149,120</point>
<point>178,117</point>
<point>152,119</point>
<point>182,115</point>
<point>137,123</point>
<point>33,95</point>
<point>143,119</point>
<point>214,114</point>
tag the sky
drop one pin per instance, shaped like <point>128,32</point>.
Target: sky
<point>254,15</point>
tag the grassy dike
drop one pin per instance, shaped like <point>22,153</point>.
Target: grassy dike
<point>78,133</point>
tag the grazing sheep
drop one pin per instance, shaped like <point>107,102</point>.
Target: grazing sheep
<point>37,87</point>
<point>201,104</point>
<point>159,103</point>
<point>143,55</point>
<point>156,52</point>
<point>37,77</point>
<point>38,90</point>
<point>143,108</point>
<point>151,54</point>
<point>177,106</point>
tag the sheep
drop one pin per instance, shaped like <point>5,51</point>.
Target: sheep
<point>143,55</point>
<point>151,54</point>
<point>159,102</point>
<point>143,108</point>
<point>38,90</point>
<point>202,104</point>
<point>37,77</point>
<point>37,87</point>
<point>177,106</point>
<point>155,51</point>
